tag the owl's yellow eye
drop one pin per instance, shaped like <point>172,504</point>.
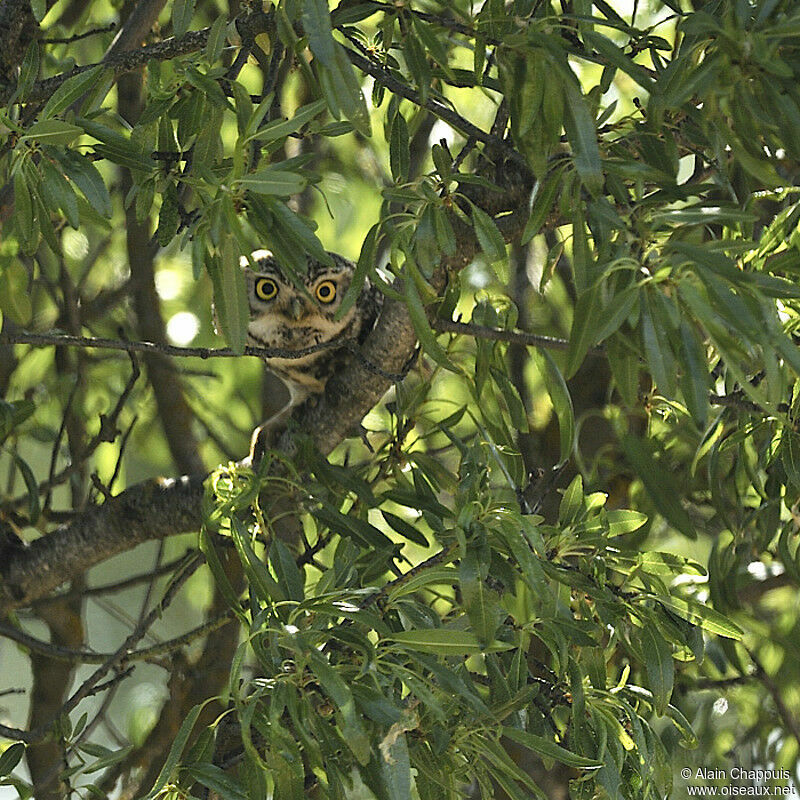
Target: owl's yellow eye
<point>326,291</point>
<point>266,288</point>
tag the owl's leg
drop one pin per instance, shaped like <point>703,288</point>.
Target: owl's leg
<point>265,436</point>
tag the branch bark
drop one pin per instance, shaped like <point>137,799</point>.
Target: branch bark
<point>154,509</point>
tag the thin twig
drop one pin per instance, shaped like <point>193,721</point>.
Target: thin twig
<point>69,39</point>
<point>118,656</point>
<point>91,657</point>
<point>502,335</point>
<point>434,105</point>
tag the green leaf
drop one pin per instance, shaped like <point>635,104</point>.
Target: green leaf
<point>444,641</point>
<point>395,765</point>
<point>489,237</point>
<point>790,455</point>
<point>548,749</point>
<point>58,193</point>
<point>24,215</point>
<point>352,527</point>
<point>216,39</point>
<point>52,131</point>
<point>280,128</point>
<point>261,582</point>
<point>623,520</point>
<point>11,756</point>
<point>405,529</point>
<point>353,730</point>
<point>289,576</point>
<point>83,173</point>
<point>230,295</point>
<point>182,13</point>
<point>660,484</point>
<point>178,746</point>
<point>28,72</point>
<point>220,577</point>
<point>543,198</point>
<point>72,90</point>
<point>660,358</point>
<point>217,780</point>
<point>658,664</point>
<point>116,147</point>
<point>582,134</point>
<point>278,182</point>
<point>583,333</point>
<point>422,327</point>
<point>479,605</point>
<point>169,218</point>
<point>32,485</point>
<point>336,75</point>
<point>399,151</point>
<point>560,397</point>
<point>694,380</point>
<point>704,616</point>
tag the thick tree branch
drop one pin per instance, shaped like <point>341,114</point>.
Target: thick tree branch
<point>150,510</point>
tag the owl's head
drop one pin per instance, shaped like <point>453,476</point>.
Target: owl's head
<point>285,315</point>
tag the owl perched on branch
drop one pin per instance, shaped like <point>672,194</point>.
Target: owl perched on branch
<point>286,316</point>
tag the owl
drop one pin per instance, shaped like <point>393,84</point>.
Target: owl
<point>282,315</point>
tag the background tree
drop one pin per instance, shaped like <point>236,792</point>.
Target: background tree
<point>489,562</point>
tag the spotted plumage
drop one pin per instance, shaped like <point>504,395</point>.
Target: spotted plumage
<point>282,315</point>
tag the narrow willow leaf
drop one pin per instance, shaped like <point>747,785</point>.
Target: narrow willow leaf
<point>216,39</point>
<point>53,131</point>
<point>549,749</point>
<point>583,333</point>
<point>11,756</point>
<point>477,600</point>
<point>289,576</point>
<point>399,151</point>
<point>58,193</point>
<point>277,182</point>
<point>217,780</point>
<point>72,90</point>
<point>261,582</point>
<point>405,529</point>
<point>660,358</point>
<point>32,485</point>
<point>334,685</point>
<point>658,665</point>
<point>582,134</point>
<point>280,128</point>
<point>444,641</point>
<point>623,520</point>
<point>489,237</point>
<point>352,527</point>
<point>182,13</point>
<point>694,380</point>
<point>24,218</point>
<point>660,484</point>
<point>422,327</point>
<point>395,765</point>
<point>83,173</point>
<point>560,397</point>
<point>230,296</point>
<point>698,614</point>
<point>178,746</point>
<point>542,200</point>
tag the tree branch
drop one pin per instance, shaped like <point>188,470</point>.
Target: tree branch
<point>150,510</point>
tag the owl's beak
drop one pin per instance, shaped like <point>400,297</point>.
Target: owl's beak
<point>297,308</point>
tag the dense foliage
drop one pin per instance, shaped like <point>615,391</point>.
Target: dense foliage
<point>539,566</point>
